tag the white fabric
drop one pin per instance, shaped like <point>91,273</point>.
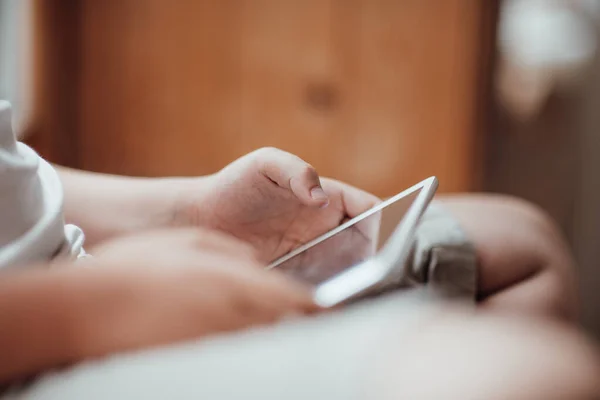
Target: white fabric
<point>32,227</point>
<point>545,46</point>
<point>332,357</point>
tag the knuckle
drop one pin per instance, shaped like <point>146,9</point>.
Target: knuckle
<point>308,172</point>
<point>267,151</point>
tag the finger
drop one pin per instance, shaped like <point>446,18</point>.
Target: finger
<point>294,298</point>
<point>354,201</point>
<point>259,297</point>
<point>291,172</point>
<point>279,293</point>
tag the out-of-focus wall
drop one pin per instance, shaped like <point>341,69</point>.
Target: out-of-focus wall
<point>15,61</point>
<point>553,160</point>
<point>586,235</point>
<point>374,92</point>
<point>8,38</point>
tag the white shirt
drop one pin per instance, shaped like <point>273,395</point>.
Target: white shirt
<point>32,227</point>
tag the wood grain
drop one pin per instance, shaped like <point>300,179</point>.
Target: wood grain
<point>378,93</point>
<point>53,127</point>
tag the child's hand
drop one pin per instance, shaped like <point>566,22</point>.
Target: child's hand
<point>161,287</point>
<point>150,290</point>
<point>268,198</point>
<point>274,201</point>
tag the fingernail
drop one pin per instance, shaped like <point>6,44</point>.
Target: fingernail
<point>317,193</point>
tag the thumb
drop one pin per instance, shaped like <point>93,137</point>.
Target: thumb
<point>292,173</point>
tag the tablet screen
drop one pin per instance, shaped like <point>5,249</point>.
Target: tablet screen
<point>349,244</point>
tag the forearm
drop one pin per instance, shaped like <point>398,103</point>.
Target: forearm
<point>42,317</point>
<point>108,205</point>
<point>51,318</point>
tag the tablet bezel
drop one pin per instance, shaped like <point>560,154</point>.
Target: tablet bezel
<point>426,186</point>
<point>389,261</point>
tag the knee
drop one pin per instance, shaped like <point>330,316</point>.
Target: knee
<point>517,244</point>
<point>506,358</point>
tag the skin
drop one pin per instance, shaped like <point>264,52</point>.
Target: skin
<point>461,355</point>
<point>266,199</point>
<point>151,289</point>
<point>169,286</point>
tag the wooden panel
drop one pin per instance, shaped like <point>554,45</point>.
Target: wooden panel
<point>52,128</point>
<point>379,93</point>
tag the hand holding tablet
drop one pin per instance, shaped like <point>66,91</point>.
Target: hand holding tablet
<point>363,254</point>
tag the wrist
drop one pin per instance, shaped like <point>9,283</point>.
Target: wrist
<point>191,203</point>
<point>105,206</point>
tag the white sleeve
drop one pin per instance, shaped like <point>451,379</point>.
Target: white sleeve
<point>32,228</point>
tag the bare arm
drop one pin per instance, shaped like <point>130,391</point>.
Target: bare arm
<point>108,205</point>
<point>142,291</point>
<point>40,316</point>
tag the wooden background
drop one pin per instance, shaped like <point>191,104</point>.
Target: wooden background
<point>378,93</point>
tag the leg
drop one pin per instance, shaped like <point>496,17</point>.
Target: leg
<point>524,262</point>
<point>489,356</point>
<point>399,346</point>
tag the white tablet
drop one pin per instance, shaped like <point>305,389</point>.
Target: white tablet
<point>360,256</point>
